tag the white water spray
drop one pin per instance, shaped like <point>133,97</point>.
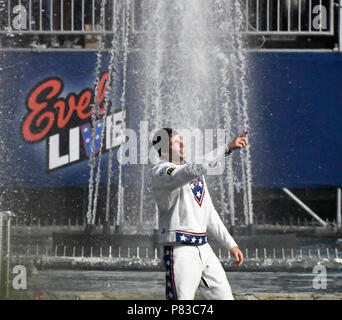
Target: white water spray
<point>195,77</point>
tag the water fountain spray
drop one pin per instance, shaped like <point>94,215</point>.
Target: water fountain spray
<point>114,53</point>
<point>126,24</point>
<point>91,212</point>
<point>195,64</point>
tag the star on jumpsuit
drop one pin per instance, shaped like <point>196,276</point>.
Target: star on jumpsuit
<point>183,237</point>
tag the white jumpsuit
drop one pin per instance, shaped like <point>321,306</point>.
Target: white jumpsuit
<point>186,213</point>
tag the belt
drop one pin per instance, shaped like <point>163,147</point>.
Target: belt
<point>186,237</point>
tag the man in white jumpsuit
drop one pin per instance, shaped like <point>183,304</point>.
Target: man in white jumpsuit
<point>186,213</point>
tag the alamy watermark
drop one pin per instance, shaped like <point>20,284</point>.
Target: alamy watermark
<point>138,146</point>
<point>320,280</point>
<point>19,281</point>
<point>198,145</point>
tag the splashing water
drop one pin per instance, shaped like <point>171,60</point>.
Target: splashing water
<point>115,67</point>
<point>127,13</point>
<point>195,76</point>
<point>94,120</point>
<point>93,161</point>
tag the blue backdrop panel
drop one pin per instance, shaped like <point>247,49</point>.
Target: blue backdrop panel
<point>297,117</point>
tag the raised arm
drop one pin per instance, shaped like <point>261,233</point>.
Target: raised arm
<point>172,176</point>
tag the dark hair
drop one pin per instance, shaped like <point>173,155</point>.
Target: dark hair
<point>158,137</point>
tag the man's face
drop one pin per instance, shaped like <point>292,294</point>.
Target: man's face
<point>177,150</point>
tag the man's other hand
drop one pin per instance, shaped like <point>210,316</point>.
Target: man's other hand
<point>236,252</point>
